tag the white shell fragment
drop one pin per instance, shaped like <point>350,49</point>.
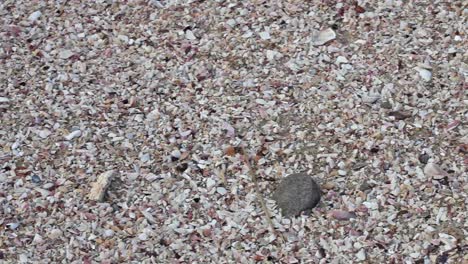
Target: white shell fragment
<point>73,135</point>
<point>65,54</point>
<point>273,55</point>
<point>432,170</point>
<point>425,74</point>
<point>4,100</point>
<point>189,35</point>
<point>44,133</point>
<point>341,59</point>
<point>323,37</point>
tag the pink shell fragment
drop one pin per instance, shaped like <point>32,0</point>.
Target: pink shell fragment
<point>341,215</point>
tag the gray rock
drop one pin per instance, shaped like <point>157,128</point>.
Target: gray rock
<point>297,193</point>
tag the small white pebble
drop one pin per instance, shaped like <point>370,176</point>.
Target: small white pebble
<point>231,22</point>
<point>265,35</point>
<point>44,133</point>
<point>341,59</point>
<point>221,190</point>
<point>176,153</point>
<point>361,255</point>
<point>65,54</point>
<point>143,237</point>
<point>189,35</point>
<point>108,233</point>
<point>210,183</point>
<point>34,16</point>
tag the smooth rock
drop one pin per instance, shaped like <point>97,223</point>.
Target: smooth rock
<point>297,193</point>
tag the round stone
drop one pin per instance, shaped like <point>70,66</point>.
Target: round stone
<point>297,193</point>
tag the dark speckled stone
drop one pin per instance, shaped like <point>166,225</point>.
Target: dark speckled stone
<point>297,193</point>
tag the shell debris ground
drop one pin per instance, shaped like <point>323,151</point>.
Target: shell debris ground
<point>361,95</point>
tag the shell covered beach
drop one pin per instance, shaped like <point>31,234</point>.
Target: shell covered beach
<point>147,131</point>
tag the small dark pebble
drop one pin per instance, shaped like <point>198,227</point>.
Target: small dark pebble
<point>374,150</point>
<point>386,105</point>
<point>365,186</point>
<point>442,258</point>
<point>36,179</point>
<point>399,115</point>
<point>359,166</point>
<point>424,158</point>
<point>182,167</point>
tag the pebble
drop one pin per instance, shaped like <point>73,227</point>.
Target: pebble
<point>34,16</point>
<point>36,179</point>
<point>231,22</point>
<point>341,60</point>
<point>210,183</point>
<point>297,193</point>
<point>4,100</point>
<point>361,255</point>
<point>108,233</point>
<point>386,105</point>
<point>424,158</point>
<point>176,154</point>
<point>145,157</point>
<point>221,190</point>
<point>365,186</point>
<point>143,237</point>
<point>65,54</point>
<point>44,133</point>
<point>265,35</point>
<point>272,55</point>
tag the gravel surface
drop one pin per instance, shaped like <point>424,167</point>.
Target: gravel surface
<point>368,97</point>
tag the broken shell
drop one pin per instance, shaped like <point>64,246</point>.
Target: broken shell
<point>425,74</point>
<point>323,37</point>
<point>434,171</point>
